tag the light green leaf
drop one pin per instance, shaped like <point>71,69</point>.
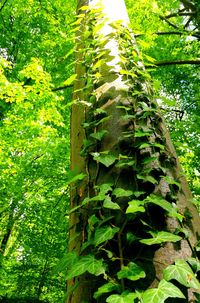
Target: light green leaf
<point>104,234</point>
<point>132,272</point>
<point>183,273</point>
<point>70,80</point>
<point>160,237</point>
<point>86,263</point>
<point>141,133</point>
<point>135,206</point>
<point>120,192</point>
<point>158,200</point>
<point>105,159</point>
<point>144,145</point>
<point>159,295</point>
<point>125,162</point>
<point>108,287</point>
<point>99,135</point>
<point>109,204</point>
<point>123,298</point>
<point>147,179</point>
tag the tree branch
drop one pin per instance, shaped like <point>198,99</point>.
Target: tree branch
<point>180,14</point>
<point>179,33</point>
<point>188,5</point>
<point>170,23</point>
<point>181,62</point>
<point>3,5</point>
<point>61,87</point>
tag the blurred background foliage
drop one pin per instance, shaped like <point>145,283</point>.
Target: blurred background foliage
<point>36,63</point>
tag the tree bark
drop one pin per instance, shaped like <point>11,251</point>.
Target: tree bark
<point>119,88</point>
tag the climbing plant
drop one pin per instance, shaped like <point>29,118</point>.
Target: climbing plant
<point>131,204</point>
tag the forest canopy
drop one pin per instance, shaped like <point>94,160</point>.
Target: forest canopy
<point>37,73</point>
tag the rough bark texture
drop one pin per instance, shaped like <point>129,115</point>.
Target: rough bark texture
<point>112,94</point>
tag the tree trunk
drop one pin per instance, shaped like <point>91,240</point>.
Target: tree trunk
<point>133,182</point>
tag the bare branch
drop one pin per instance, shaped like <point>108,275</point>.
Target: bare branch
<point>61,87</point>
<point>3,5</point>
<point>170,23</point>
<point>180,14</point>
<point>180,62</point>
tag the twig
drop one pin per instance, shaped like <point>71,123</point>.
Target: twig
<point>180,62</point>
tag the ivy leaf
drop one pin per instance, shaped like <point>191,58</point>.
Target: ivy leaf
<point>86,263</point>
<point>147,179</point>
<point>125,163</point>
<point>108,287</point>
<point>99,135</point>
<point>104,234</point>
<point>105,159</point>
<point>109,204</point>
<point>120,192</point>
<point>165,205</point>
<point>148,160</point>
<point>123,298</point>
<point>132,272</point>
<point>138,193</point>
<point>140,133</point>
<point>183,273</point>
<point>160,237</point>
<point>195,263</point>
<point>135,206</point>
<point>144,145</point>
<point>159,295</point>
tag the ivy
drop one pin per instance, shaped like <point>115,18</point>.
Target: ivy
<point>86,264</point>
<point>159,295</point>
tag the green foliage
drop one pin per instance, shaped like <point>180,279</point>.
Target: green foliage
<point>132,272</point>
<point>183,273</point>
<point>159,295</point>
<point>88,263</point>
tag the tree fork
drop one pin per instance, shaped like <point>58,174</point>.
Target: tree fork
<point>134,154</point>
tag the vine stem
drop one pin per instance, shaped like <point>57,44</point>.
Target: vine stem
<point>121,256</point>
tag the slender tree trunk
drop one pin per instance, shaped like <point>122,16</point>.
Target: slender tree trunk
<point>120,142</point>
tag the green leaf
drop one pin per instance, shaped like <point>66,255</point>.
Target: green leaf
<point>86,263</point>
<point>138,193</point>
<point>105,188</point>
<point>104,234</point>
<point>135,206</point>
<point>108,287</point>
<point>123,298</point>
<point>109,204</point>
<point>99,135</point>
<point>73,178</point>
<point>195,263</point>
<point>105,159</point>
<point>160,237</point>
<point>147,179</point>
<point>70,80</point>
<point>132,272</point>
<point>120,192</point>
<point>148,160</point>
<point>159,295</point>
<point>144,145</point>
<point>123,162</point>
<point>158,200</point>
<point>183,273</point>
<point>141,133</point>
